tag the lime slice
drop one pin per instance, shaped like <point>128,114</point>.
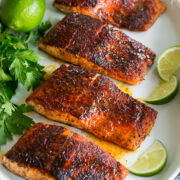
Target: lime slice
<point>168,62</point>
<point>152,161</point>
<point>164,92</point>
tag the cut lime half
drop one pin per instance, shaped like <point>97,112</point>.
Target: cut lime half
<point>151,162</point>
<point>168,62</point>
<point>164,92</point>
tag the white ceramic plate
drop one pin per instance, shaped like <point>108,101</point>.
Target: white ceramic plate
<point>163,34</point>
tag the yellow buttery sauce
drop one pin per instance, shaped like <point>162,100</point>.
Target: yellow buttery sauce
<point>140,99</point>
<point>117,152</point>
<point>125,89</point>
<point>49,70</point>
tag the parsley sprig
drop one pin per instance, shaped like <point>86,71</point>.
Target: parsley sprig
<point>18,64</point>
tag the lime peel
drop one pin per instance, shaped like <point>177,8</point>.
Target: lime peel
<point>164,92</point>
<point>168,62</point>
<point>151,162</point>
<point>22,15</point>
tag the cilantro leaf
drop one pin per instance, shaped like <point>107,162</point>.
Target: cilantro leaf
<point>15,123</point>
<point>29,55</point>
<point>23,108</point>
<point>18,122</point>
<point>9,88</point>
<point>18,64</point>
<point>17,45</point>
<point>17,69</point>
<point>8,107</point>
<point>2,133</point>
<point>33,79</point>
<point>7,132</point>
<point>3,34</point>
<point>44,26</point>
<point>33,37</point>
<point>4,76</point>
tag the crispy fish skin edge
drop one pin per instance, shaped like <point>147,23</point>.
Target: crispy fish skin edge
<point>26,172</point>
<point>75,59</point>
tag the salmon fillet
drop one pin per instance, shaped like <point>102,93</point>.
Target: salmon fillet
<point>89,101</point>
<point>49,152</point>
<point>88,42</point>
<point>135,15</point>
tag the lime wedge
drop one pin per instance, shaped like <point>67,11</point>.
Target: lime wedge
<point>164,92</point>
<point>168,62</point>
<point>152,161</point>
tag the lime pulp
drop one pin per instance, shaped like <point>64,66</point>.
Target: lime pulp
<point>152,161</point>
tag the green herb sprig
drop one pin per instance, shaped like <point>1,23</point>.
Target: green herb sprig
<point>18,64</point>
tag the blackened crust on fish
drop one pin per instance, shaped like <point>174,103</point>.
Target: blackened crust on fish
<point>62,154</point>
<point>135,15</point>
<point>90,43</point>
<point>89,101</point>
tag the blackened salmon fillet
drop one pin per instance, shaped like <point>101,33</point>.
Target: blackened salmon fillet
<point>84,99</point>
<point>135,15</point>
<point>88,42</point>
<point>51,152</point>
